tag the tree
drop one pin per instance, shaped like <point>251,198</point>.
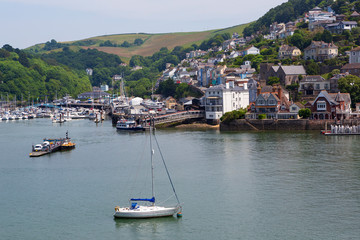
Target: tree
<point>125,44</point>
<point>326,36</point>
<point>273,80</point>
<point>138,42</point>
<point>167,88</point>
<point>304,113</point>
<point>350,84</point>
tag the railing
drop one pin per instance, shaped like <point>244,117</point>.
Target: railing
<point>178,116</point>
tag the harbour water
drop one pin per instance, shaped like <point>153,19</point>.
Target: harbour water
<point>246,185</point>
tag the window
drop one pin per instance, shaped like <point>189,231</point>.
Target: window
<point>317,86</point>
<point>293,108</point>
<point>321,106</point>
<point>326,86</point>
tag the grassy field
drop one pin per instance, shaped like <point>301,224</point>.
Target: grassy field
<point>152,42</point>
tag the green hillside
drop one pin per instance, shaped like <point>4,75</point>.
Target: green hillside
<point>151,42</point>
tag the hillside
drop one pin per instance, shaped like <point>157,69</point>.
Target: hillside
<point>151,42</point>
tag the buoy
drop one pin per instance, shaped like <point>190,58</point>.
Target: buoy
<point>179,214</point>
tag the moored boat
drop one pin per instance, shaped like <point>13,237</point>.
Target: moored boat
<point>129,125</point>
<point>150,210</point>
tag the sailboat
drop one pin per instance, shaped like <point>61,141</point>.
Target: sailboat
<point>149,210</point>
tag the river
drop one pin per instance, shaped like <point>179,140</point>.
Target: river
<point>244,185</point>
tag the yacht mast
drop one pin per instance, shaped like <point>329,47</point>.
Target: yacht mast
<point>152,165</point>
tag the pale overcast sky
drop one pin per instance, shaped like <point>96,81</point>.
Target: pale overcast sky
<point>27,22</point>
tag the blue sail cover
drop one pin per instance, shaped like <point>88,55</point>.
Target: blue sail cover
<point>143,199</point>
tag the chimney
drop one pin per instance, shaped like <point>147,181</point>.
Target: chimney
<point>245,86</point>
<point>280,92</point>
<point>258,92</point>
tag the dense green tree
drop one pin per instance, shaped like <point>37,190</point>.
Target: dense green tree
<point>273,81</point>
<point>125,44</point>
<point>304,113</point>
<point>138,42</point>
<point>326,36</point>
<point>350,84</point>
<point>167,88</point>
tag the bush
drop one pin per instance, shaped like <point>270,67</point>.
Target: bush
<point>236,114</point>
<point>304,113</point>
<point>262,116</point>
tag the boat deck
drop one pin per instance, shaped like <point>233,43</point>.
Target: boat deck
<point>38,154</point>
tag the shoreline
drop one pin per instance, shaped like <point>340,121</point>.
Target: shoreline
<point>198,126</point>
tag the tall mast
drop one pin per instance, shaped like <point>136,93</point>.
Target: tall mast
<point>152,165</point>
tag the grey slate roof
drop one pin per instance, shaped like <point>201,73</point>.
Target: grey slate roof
<point>294,70</point>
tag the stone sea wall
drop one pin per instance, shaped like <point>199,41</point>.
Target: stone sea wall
<point>280,124</point>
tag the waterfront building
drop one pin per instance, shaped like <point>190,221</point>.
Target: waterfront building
<point>224,98</point>
<point>330,106</point>
<point>273,103</point>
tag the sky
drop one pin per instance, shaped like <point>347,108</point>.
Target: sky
<point>25,23</point>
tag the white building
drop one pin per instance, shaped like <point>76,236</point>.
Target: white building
<point>222,98</point>
<point>137,101</point>
<point>104,88</point>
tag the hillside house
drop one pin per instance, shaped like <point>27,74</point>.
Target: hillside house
<point>286,51</point>
<point>354,55</point>
<point>313,85</point>
<point>250,50</point>
<point>289,74</point>
<point>351,68</point>
<point>320,51</point>
<point>339,27</point>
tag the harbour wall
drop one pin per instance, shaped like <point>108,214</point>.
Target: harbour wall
<point>281,124</point>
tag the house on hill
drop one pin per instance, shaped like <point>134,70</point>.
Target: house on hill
<point>339,27</point>
<point>313,85</point>
<point>286,51</point>
<point>320,51</point>
<point>250,50</point>
<point>354,55</point>
<point>290,74</point>
<point>351,68</point>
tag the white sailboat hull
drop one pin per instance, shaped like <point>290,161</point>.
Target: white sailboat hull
<point>145,212</point>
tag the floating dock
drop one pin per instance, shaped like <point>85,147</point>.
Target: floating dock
<point>51,145</point>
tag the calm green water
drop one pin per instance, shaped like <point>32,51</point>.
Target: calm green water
<point>232,185</point>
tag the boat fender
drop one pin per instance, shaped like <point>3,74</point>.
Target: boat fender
<point>179,214</point>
